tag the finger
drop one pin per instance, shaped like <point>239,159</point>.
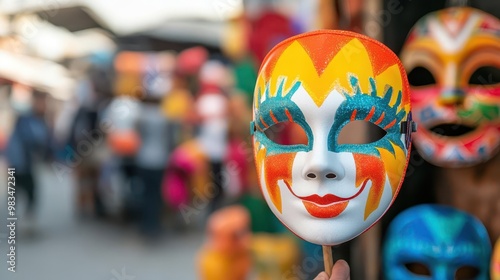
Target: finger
<point>340,271</point>
<point>321,276</point>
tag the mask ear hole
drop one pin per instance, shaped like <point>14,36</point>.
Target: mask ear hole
<point>360,132</point>
<point>466,272</point>
<point>287,133</point>
<point>421,76</point>
<point>418,268</point>
<point>485,75</point>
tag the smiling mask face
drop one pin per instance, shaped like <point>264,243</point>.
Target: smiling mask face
<point>328,192</point>
<point>453,62</point>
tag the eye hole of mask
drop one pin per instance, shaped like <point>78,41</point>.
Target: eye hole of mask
<point>287,133</point>
<point>485,75</point>
<point>466,272</point>
<point>360,132</point>
<point>418,268</point>
<point>421,76</point>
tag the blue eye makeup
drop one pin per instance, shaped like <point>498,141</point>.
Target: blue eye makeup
<point>368,108</point>
<point>274,119</point>
<point>379,123</point>
<point>274,116</point>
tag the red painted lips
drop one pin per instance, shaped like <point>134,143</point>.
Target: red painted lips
<point>327,206</point>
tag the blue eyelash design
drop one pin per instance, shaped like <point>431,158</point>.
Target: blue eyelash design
<point>281,109</point>
<point>264,121</point>
<point>373,108</point>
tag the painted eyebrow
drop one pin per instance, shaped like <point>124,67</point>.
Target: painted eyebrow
<point>472,51</point>
<point>275,116</point>
<point>273,119</point>
<point>426,55</point>
<point>370,116</point>
<point>288,115</point>
<point>391,124</point>
<point>353,115</point>
<point>380,119</point>
<point>263,122</point>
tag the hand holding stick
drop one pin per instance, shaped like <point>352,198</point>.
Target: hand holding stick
<point>340,271</point>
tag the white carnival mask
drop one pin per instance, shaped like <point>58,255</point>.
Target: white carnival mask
<point>325,191</point>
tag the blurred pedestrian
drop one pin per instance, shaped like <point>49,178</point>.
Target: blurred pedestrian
<point>212,105</point>
<point>29,141</point>
<point>155,146</point>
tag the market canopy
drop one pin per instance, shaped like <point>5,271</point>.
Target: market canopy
<point>37,73</point>
<point>123,17</point>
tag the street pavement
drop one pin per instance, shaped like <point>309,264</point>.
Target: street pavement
<point>57,245</point>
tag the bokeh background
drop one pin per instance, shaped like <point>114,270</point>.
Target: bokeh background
<point>130,124</point>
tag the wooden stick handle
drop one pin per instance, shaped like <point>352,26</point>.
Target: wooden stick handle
<point>328,259</point>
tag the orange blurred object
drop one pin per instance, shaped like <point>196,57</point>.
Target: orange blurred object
<point>495,262</point>
<point>127,61</point>
<point>226,253</point>
<point>124,143</point>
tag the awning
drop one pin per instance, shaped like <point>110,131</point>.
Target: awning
<point>37,73</point>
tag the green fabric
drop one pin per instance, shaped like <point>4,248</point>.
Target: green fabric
<point>263,219</point>
<point>245,74</point>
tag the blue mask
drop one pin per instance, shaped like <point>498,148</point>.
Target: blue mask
<point>436,242</point>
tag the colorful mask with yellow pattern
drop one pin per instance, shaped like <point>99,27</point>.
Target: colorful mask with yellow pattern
<point>452,58</point>
<point>325,191</point>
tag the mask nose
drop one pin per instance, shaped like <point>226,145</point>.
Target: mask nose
<point>452,97</point>
<point>444,272</point>
<point>323,165</point>
<point>316,174</point>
